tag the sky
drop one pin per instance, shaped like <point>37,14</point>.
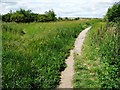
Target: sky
<point>63,8</point>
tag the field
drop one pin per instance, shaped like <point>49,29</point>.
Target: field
<point>34,53</point>
<point>99,64</point>
<point>43,50</point>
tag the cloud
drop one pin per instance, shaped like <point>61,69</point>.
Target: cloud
<point>63,8</point>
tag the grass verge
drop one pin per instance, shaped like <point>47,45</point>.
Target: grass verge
<point>98,66</point>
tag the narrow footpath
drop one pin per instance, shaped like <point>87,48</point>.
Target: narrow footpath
<point>67,74</point>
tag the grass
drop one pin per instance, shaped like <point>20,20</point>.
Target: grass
<point>34,53</point>
<point>86,64</point>
<point>98,65</point>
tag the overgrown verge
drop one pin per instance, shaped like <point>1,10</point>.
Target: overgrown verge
<point>99,64</point>
<point>34,54</point>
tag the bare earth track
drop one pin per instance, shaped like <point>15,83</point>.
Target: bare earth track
<point>67,74</point>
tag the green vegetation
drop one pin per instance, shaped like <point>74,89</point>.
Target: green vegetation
<point>34,54</point>
<point>109,53</point>
<point>113,13</point>
<point>99,64</point>
<point>27,16</point>
<point>87,64</point>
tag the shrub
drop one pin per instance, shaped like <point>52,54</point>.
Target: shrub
<point>113,13</point>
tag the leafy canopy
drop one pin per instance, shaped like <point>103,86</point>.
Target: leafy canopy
<point>113,13</point>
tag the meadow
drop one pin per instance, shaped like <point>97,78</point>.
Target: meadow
<point>35,46</point>
<point>33,54</point>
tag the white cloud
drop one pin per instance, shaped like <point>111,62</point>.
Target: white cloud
<point>63,8</point>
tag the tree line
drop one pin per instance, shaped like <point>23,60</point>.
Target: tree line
<point>27,16</point>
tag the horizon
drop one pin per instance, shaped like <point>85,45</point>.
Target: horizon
<point>73,8</point>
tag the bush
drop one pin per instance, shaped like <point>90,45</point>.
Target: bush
<point>113,13</point>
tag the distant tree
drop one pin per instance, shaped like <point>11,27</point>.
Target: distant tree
<point>113,13</point>
<point>66,18</point>
<point>34,17</point>
<point>6,17</point>
<point>51,16</point>
<point>60,19</point>
<point>27,16</point>
<point>16,17</point>
<point>42,18</point>
<point>77,18</point>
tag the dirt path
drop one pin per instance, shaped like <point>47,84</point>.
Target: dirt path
<point>67,74</point>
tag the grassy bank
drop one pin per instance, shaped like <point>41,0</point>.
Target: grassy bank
<point>34,53</point>
<point>98,65</point>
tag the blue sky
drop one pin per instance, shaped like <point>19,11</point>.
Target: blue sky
<point>63,8</point>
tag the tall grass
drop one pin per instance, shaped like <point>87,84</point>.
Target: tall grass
<point>34,54</point>
<point>87,63</point>
<point>109,43</point>
<point>99,64</point>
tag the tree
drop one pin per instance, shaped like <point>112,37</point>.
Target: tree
<point>51,15</point>
<point>6,17</point>
<point>27,16</point>
<point>42,18</point>
<point>60,18</point>
<point>113,13</point>
<point>77,18</point>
